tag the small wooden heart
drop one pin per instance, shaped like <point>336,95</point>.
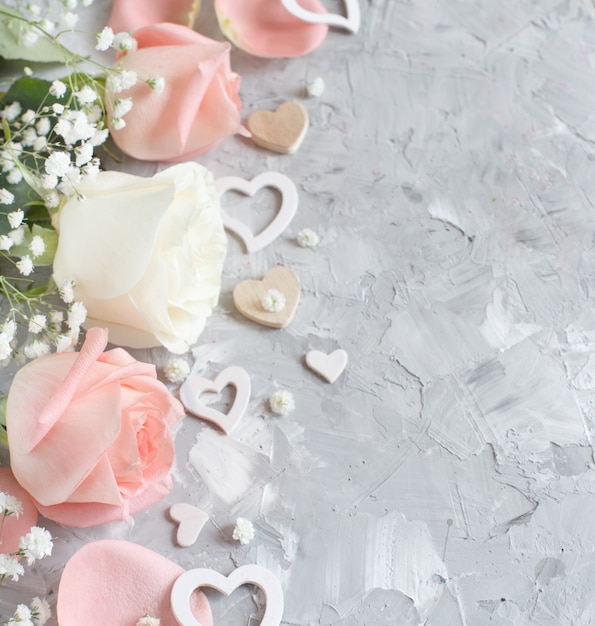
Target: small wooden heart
<point>194,386</point>
<point>193,579</point>
<point>191,521</point>
<point>289,205</point>
<point>329,366</point>
<point>248,296</point>
<point>282,130</point>
<point>350,23</point>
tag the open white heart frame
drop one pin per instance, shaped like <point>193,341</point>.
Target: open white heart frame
<point>289,205</point>
<point>257,575</point>
<point>195,385</point>
<point>350,23</point>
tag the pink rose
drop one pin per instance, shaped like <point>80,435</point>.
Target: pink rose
<point>89,433</point>
<point>129,15</point>
<point>199,105</point>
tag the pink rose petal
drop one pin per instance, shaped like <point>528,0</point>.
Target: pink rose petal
<point>115,583</point>
<point>130,15</point>
<point>266,28</point>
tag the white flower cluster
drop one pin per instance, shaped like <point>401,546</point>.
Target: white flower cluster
<point>282,402</point>
<point>147,620</point>
<point>243,531</point>
<point>35,545</point>
<point>176,370</point>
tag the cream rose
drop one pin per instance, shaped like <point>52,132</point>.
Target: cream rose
<point>145,254</point>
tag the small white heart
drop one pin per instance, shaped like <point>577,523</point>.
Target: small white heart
<point>246,575</point>
<point>350,23</point>
<point>289,205</point>
<point>191,522</point>
<point>194,386</point>
<point>329,366</point>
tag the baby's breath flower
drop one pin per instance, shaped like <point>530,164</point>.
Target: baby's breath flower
<point>28,37</point>
<point>176,370</point>
<point>36,544</point>
<point>58,89</point>
<point>76,315</point>
<point>25,265</point>
<point>37,323</point>
<point>5,347</point>
<point>122,106</point>
<point>52,200</point>
<point>27,71</point>
<point>5,196</point>
<point>37,246</point>
<point>282,402</point>
<point>57,164</point>
<point>67,292</point>
<point>49,181</point>
<point>87,95</point>
<point>64,343</point>
<point>39,144</point>
<point>273,301</point>
<point>56,318</point>
<point>58,108</point>
<point>36,349</point>
<point>124,42</point>
<point>147,620</point>
<point>118,123</point>
<point>122,80</point>
<point>10,328</point>
<point>157,84</point>
<point>11,111</point>
<point>6,243</point>
<point>40,610</point>
<point>43,126</point>
<point>10,567</point>
<point>68,20</point>
<point>104,39</point>
<point>83,154</point>
<point>9,505</point>
<point>15,218</point>
<point>14,177</point>
<point>28,116</point>
<point>99,136</point>
<point>22,616</point>
<point>243,531</point>
<point>17,235</point>
<point>307,238</point>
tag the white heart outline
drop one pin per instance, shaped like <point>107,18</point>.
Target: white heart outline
<point>289,205</point>
<point>194,385</point>
<point>350,23</point>
<point>257,575</point>
<point>180,512</point>
<point>329,366</point>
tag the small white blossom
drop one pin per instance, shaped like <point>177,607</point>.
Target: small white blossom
<point>43,126</point>
<point>49,181</point>
<point>282,402</point>
<point>104,39</point>
<point>87,95</point>
<point>22,616</point>
<point>10,328</point>
<point>83,153</point>
<point>124,42</point>
<point>243,531</point>
<point>15,218</point>
<point>10,567</point>
<point>64,343</point>
<point>6,243</point>
<point>58,108</point>
<point>36,349</point>
<point>307,238</point>
<point>15,176</point>
<point>56,318</point>
<point>28,116</point>
<point>9,505</point>
<point>76,315</point>
<point>316,88</point>
<point>273,301</point>
<point>5,347</point>
<point>36,544</point>
<point>37,246</point>
<point>5,196</point>
<point>25,265</point>
<point>147,620</point>
<point>40,144</point>
<point>68,20</point>
<point>157,84</point>
<point>28,37</point>
<point>28,136</point>
<point>70,4</point>
<point>176,370</point>
<point>123,106</point>
<point>99,136</point>
<point>118,123</point>
<point>37,323</point>
<point>27,71</point>
<point>52,200</point>
<point>67,292</point>
<point>17,235</point>
<point>58,89</point>
<point>57,164</point>
<point>122,80</point>
<point>40,610</point>
<point>11,111</point>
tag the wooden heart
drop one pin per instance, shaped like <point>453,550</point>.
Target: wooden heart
<point>117,582</point>
<point>282,130</point>
<point>289,205</point>
<point>194,579</point>
<point>329,366</point>
<point>350,23</point>
<point>248,295</point>
<point>191,521</point>
<point>195,385</point>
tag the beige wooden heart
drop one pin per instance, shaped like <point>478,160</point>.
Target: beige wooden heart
<point>282,130</point>
<point>248,296</point>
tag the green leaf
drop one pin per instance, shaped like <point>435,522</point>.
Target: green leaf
<point>3,437</point>
<point>12,29</point>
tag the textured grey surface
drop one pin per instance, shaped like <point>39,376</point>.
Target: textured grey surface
<point>447,477</point>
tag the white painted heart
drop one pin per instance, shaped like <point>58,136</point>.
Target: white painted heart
<point>329,366</point>
<point>195,385</point>
<point>289,205</point>
<point>350,23</point>
<point>191,521</point>
<point>257,575</point>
